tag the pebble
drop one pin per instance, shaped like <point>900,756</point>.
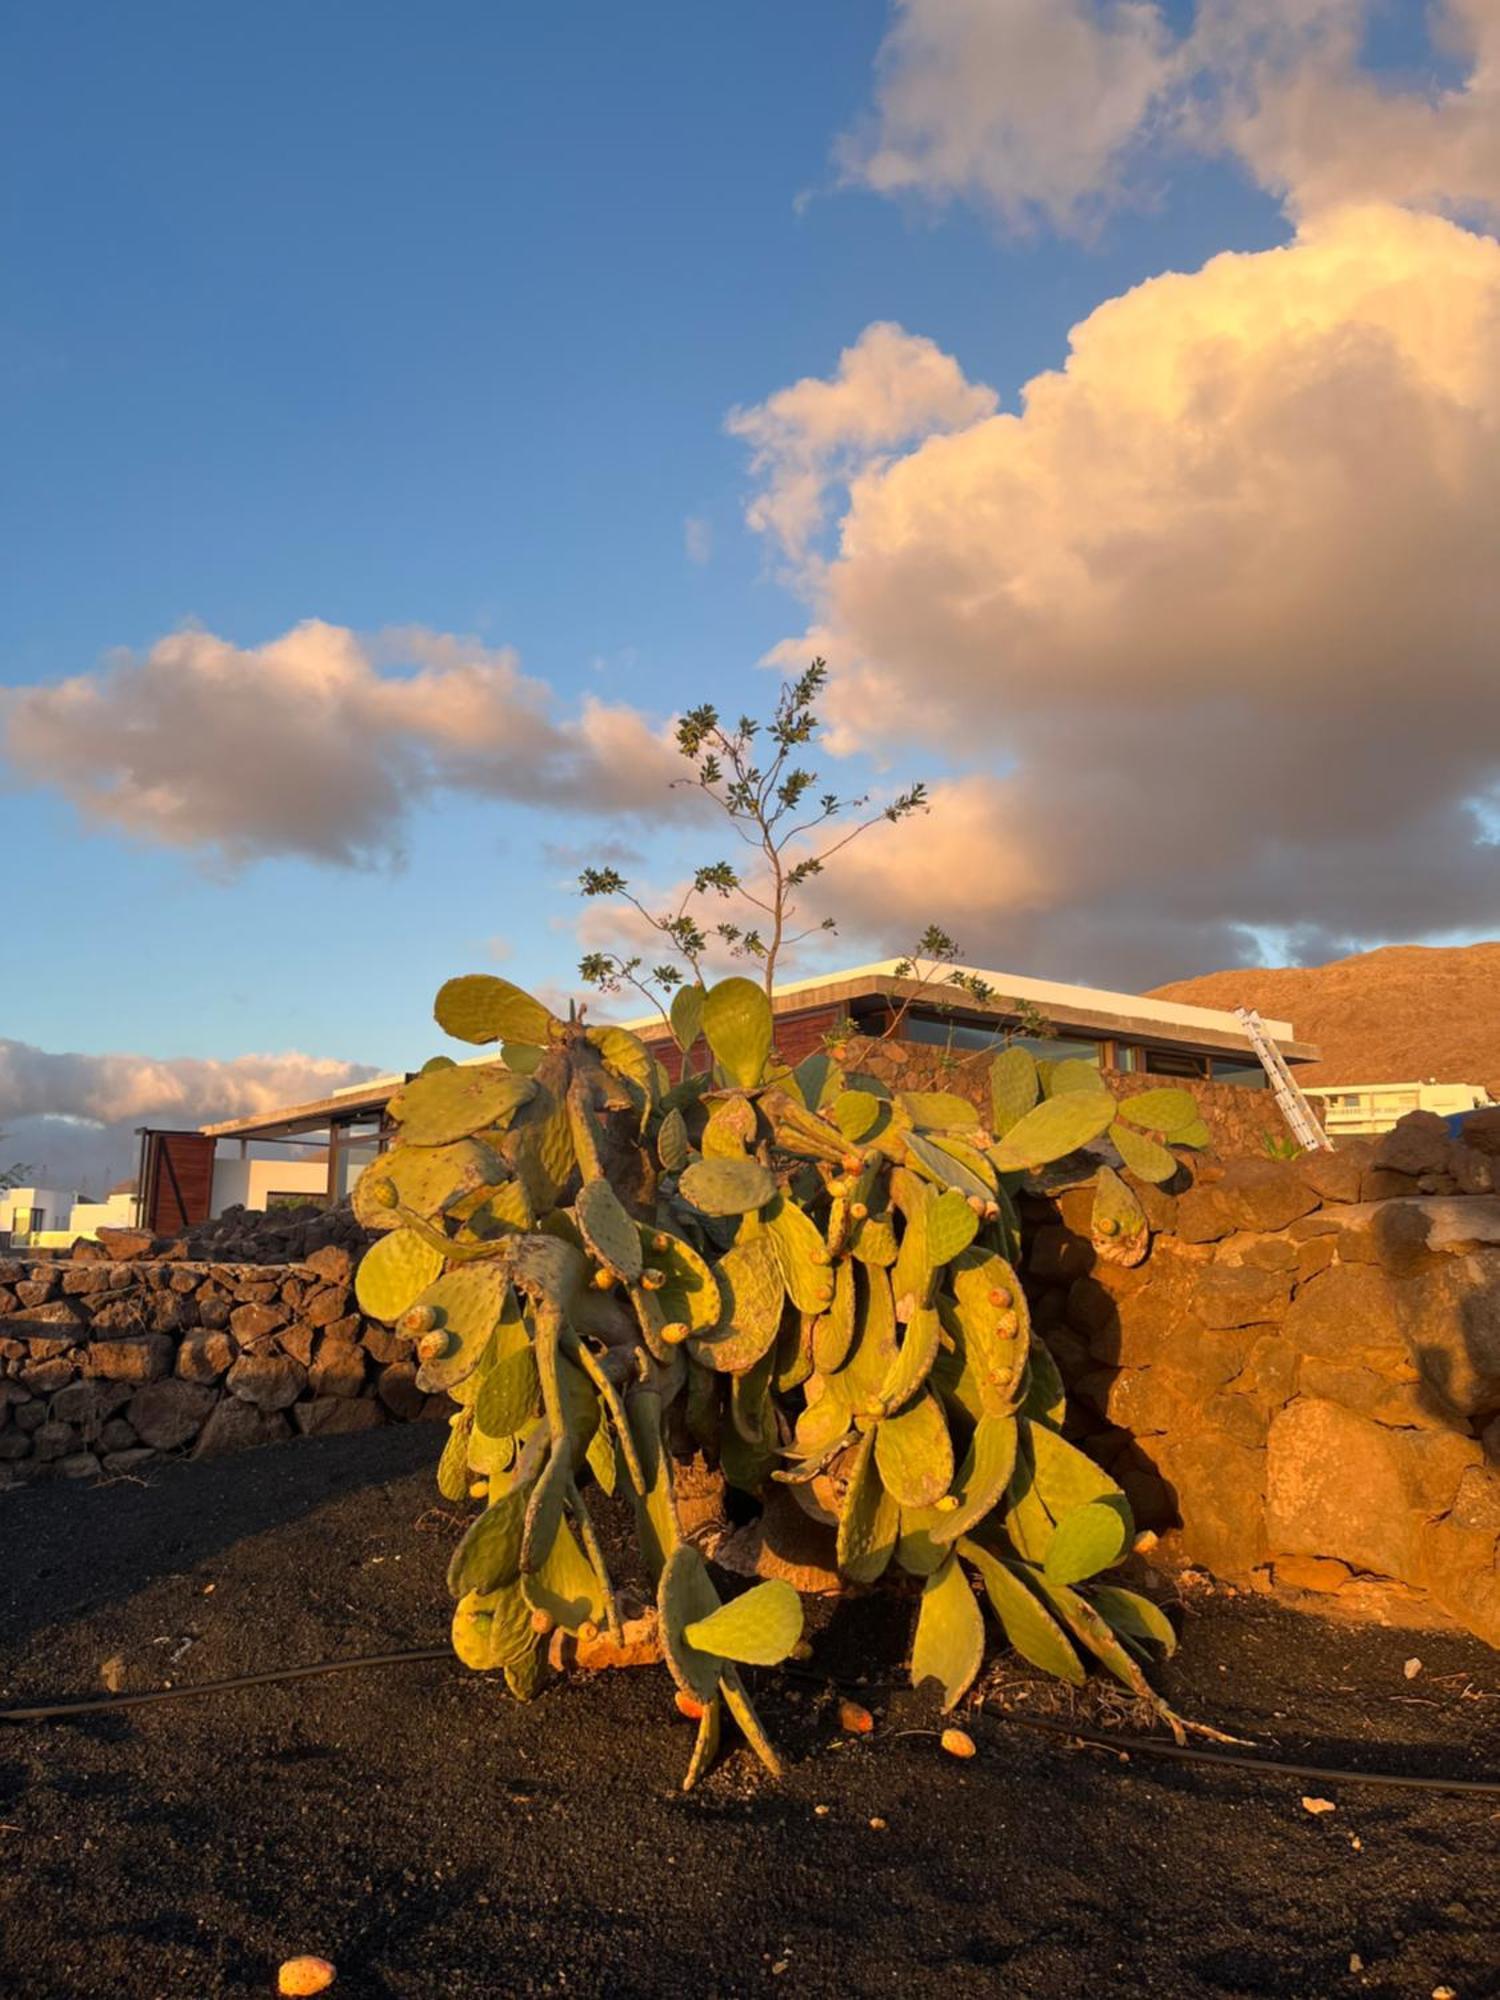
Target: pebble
<point>1412,1668</point>
<point>878,1825</point>
<point>1318,1805</point>
<point>304,1975</point>
<point>821,1811</point>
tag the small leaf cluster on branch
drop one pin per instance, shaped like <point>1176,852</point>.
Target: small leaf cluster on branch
<point>789,829</point>
<point>787,1273</point>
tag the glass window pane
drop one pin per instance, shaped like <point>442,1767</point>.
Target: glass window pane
<point>1175,1062</point>
<point>1248,1076</point>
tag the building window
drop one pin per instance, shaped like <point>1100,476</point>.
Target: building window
<point>969,1035</point>
<point>1176,1062</point>
<point>1127,1059</point>
<point>1247,1076</point>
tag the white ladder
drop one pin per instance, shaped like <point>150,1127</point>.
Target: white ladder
<point>1301,1119</point>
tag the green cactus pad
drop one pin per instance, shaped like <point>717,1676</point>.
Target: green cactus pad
<point>740,1706</point>
<point>1194,1134</point>
<point>1118,1228</point>
<point>607,1230</point>
<point>857,1113</point>
<point>1031,1629</point>
<point>1045,1397</point>
<point>1144,1156</point>
<point>981,1479</point>
<point>1014,1088</point>
<point>917,1551</point>
<point>1166,1110</point>
<point>914,1453</point>
<point>544,1509</point>
<point>805,1265</point>
<point>1066,1478</point>
<point>869,1521</point>
<point>758,1628</point>
<point>1089,1539</point>
<point>1055,1128</point>
<point>951,1227</point>
<point>627,1055</point>
<point>949,1642</point>
<point>449,1104</point>
<point>913,1362</point>
<point>706,1745</point>
<point>1134,1616</point>
<point>672,1147</point>
<point>737,1023</point>
<point>873,1241</point>
<point>939,1164</point>
<point>752,1292</point>
<point>492,1629</point>
<point>685,1596</point>
<point>691,1293</point>
<point>566,1587</point>
<point>470,1302</point>
<point>453,1465</point>
<point>731,1124</point>
<point>686,1015</point>
<point>481,1008</point>
<point>727,1187</point>
<point>834,1332</point>
<point>426,1179</point>
<point>394,1273</point>
<point>937,1110</point>
<point>874,1347</point>
<point>522,1057</point>
<point>1095,1632</point>
<point>1075,1073</point>
<point>490,1553</point>
<point>656,1514</point>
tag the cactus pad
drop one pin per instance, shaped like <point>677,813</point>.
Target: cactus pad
<point>1144,1156</point>
<point>481,1008</point>
<point>737,1024</point>
<point>449,1104</point>
<point>1014,1088</point>
<point>914,1453</point>
<point>949,1642</point>
<point>1056,1127</point>
<point>1027,1624</point>
<point>1089,1539</point>
<point>759,1628</point>
<point>752,1293</point>
<point>728,1187</point>
<point>394,1273</point>
<point>607,1230</point>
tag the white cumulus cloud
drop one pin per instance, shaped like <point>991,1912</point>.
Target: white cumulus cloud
<point>1209,620</point>
<point>318,742</point>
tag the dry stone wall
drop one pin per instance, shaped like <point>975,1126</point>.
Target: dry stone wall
<point>109,1362</point>
<point>1302,1379</point>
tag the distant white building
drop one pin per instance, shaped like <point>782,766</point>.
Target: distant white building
<point>29,1212</point>
<point>1349,1108</point>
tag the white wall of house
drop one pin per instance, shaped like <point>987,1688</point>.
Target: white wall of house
<point>87,1218</point>
<point>253,1183</point>
<point>28,1211</point>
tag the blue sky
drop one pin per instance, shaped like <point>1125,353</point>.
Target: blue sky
<point>393,316</point>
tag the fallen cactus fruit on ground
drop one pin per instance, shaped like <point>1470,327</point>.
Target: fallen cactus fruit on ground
<point>767,1276</point>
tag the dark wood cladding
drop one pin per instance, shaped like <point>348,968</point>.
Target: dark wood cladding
<point>797,1035</point>
<point>177,1183</point>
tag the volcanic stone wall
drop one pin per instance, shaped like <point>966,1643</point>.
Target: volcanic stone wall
<point>107,1364</point>
<point>1303,1376</point>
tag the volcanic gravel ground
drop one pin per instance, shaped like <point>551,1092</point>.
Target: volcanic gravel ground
<point>433,1838</point>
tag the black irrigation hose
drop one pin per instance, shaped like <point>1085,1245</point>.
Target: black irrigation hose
<point>105,1703</point>
<point>1147,1746</point>
<point>1189,1753</point>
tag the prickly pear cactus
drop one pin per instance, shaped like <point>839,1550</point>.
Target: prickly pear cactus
<point>790,1270</point>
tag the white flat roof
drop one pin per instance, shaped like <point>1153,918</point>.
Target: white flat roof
<point>1047,994</point>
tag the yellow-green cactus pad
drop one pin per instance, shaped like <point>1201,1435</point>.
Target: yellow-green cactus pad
<point>481,1008</point>
<point>394,1273</point>
<point>758,1628</point>
<point>450,1104</point>
<point>949,1642</point>
<point>737,1023</point>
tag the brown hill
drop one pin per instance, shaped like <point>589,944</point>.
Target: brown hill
<point>1408,1012</point>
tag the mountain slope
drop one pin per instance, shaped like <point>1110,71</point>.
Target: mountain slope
<point>1404,1013</point>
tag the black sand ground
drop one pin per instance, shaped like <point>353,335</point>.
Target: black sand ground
<point>434,1839</point>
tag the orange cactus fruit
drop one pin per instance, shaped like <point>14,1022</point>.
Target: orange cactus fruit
<point>958,1743</point>
<point>305,1975</point>
<point>689,1705</point>
<point>854,1720</point>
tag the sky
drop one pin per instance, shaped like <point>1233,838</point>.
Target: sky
<point>407,412</point>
